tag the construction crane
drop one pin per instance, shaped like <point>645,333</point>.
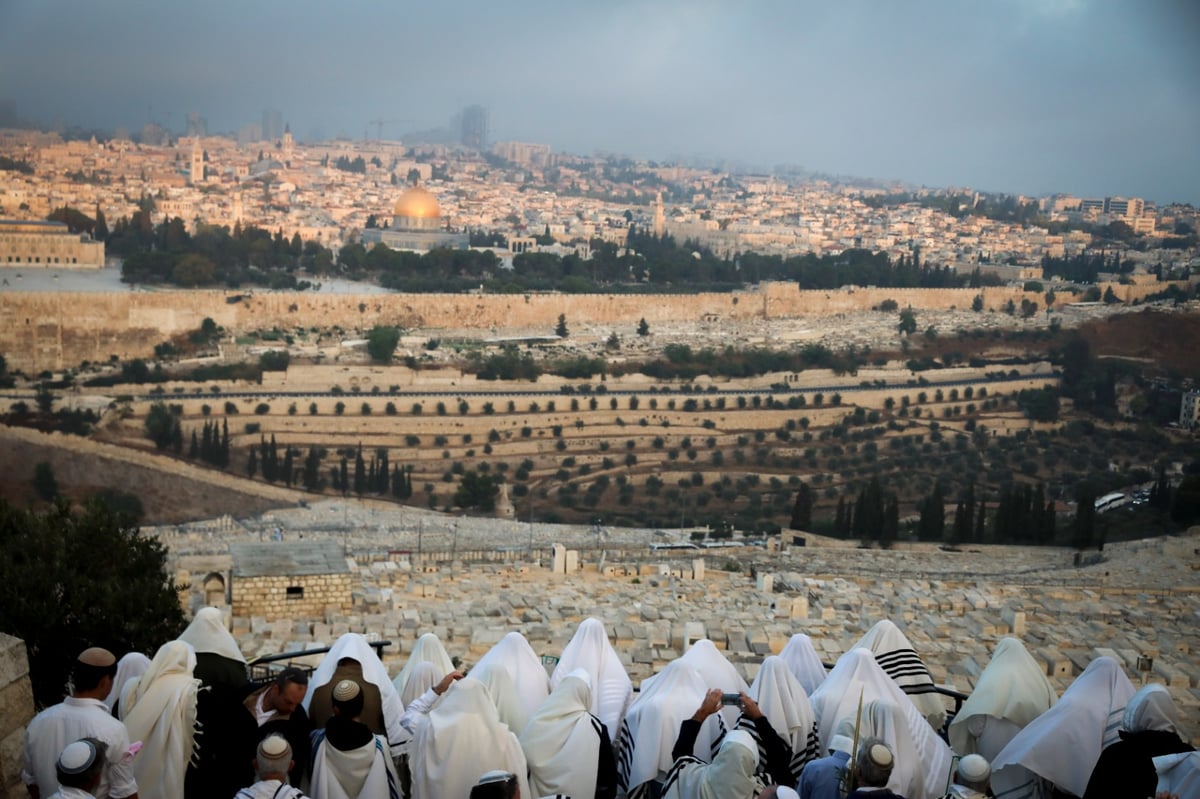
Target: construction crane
<point>379,123</point>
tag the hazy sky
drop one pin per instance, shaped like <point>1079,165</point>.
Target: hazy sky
<point>1093,97</point>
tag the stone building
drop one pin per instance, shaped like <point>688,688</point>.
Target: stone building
<point>417,226</point>
<point>47,245</point>
<point>292,579</point>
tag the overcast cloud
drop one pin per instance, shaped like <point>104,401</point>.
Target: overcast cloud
<point>1091,97</point>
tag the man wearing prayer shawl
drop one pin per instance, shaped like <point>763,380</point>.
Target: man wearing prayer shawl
<point>462,739</point>
<point>612,690</point>
<point>1149,729</point>
<point>514,654</point>
<point>651,726</point>
<point>804,662</point>
<point>729,776</point>
<point>352,658</point>
<point>349,761</point>
<point>716,672</point>
<point>858,677</point>
<point>778,701</point>
<point>219,765</point>
<point>503,693</point>
<point>81,715</point>
<point>1011,692</point>
<point>131,664</point>
<point>901,662</point>
<point>1062,745</point>
<point>563,739</point>
<point>219,660</point>
<point>427,649</point>
<point>1178,775</point>
<point>159,709</point>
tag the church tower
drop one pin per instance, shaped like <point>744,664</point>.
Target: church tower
<point>197,163</point>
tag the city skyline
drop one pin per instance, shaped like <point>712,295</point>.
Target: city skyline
<point>1021,97</point>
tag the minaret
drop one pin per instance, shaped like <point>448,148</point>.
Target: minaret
<point>237,207</point>
<point>197,163</point>
<point>660,219</point>
<point>288,142</point>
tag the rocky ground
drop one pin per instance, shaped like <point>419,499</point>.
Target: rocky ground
<point>473,580</point>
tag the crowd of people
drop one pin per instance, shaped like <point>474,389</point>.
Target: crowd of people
<point>188,723</point>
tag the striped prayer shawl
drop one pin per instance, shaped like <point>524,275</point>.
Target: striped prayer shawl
<point>673,774</point>
<point>800,759</point>
<point>908,670</point>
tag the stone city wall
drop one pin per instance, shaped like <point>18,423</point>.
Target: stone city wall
<point>16,711</point>
<point>56,330</point>
<point>268,597</point>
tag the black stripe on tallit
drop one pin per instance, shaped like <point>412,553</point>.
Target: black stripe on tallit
<point>673,774</point>
<point>716,744</point>
<point>624,756</point>
<point>747,725</point>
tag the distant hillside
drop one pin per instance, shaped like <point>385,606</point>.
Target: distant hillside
<point>1172,340</point>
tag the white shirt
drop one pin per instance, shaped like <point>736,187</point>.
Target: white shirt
<point>261,715</point>
<point>270,789</point>
<point>55,727</point>
<point>72,793</point>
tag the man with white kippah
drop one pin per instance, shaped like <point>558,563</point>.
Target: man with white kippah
<point>496,784</point>
<point>272,762</point>
<point>971,778</point>
<point>79,768</point>
<point>873,766</point>
<point>81,715</point>
<point>350,761</point>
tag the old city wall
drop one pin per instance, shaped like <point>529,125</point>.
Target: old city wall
<point>55,330</point>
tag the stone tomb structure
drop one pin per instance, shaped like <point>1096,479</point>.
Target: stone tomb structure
<point>287,580</point>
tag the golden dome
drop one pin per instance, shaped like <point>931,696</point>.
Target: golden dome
<point>417,203</point>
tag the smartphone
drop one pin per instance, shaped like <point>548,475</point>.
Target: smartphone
<point>731,699</point>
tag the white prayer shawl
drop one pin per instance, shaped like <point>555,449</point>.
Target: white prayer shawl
<point>1012,688</point>
<point>461,741</point>
<point>363,772</point>
<point>856,674</point>
<point>562,742</point>
<point>612,690</point>
<point>783,701</point>
<point>886,720</point>
<point>902,663</point>
<point>427,649</point>
<point>159,709</point>
<point>208,633</point>
<point>805,664</point>
<point>424,675</point>
<point>1179,774</point>
<point>353,645</point>
<point>528,675</point>
<point>729,776</point>
<point>1063,744</point>
<point>504,695</point>
<point>716,672</point>
<point>651,726</point>
<point>1151,708</point>
<point>133,664</point>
